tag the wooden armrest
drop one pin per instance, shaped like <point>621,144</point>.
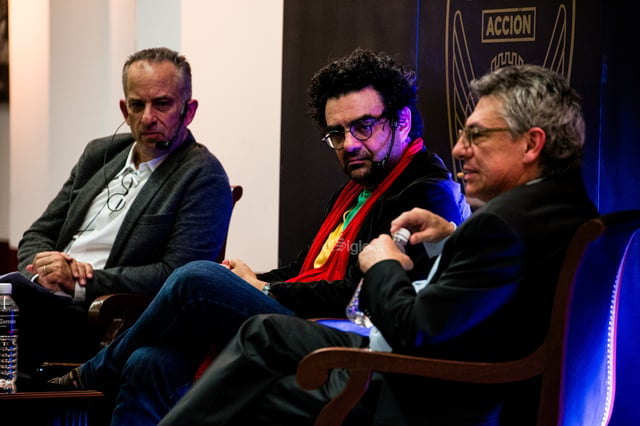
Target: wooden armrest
<point>117,312</point>
<point>314,369</point>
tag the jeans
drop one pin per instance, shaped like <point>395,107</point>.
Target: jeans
<point>152,364</point>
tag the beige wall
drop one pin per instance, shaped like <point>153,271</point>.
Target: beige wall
<point>65,59</point>
<point>4,171</point>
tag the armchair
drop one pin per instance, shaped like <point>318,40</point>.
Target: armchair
<point>577,360</point>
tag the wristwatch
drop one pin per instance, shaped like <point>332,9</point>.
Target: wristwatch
<point>266,289</point>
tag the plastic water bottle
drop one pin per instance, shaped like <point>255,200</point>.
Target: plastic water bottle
<point>401,238</point>
<point>8,340</point>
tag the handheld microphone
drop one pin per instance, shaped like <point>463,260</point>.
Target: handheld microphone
<point>164,145</point>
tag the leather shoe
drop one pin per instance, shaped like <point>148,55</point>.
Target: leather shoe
<point>71,380</point>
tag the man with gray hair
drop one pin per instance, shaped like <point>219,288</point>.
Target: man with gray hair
<point>135,207</point>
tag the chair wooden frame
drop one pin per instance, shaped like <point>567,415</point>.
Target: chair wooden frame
<point>547,360</point>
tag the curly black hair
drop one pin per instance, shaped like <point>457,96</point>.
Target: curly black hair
<point>363,68</point>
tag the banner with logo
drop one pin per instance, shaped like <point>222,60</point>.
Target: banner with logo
<point>460,40</point>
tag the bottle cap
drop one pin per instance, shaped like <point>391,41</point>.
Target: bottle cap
<point>402,234</point>
<point>5,288</point>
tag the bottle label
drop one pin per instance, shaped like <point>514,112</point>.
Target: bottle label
<point>8,323</point>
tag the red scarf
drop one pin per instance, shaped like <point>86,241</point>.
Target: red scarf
<point>335,267</point>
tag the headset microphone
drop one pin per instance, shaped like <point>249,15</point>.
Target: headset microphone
<point>163,145</point>
<point>378,166</point>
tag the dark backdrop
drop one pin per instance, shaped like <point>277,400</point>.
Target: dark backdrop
<point>585,42</point>
<point>316,32</point>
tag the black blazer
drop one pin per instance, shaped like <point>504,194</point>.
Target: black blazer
<point>490,298</point>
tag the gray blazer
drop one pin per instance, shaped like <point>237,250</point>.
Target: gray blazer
<point>181,214</point>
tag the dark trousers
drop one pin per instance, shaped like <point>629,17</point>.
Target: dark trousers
<point>252,381</point>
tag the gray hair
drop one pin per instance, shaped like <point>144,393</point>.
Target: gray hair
<point>533,96</point>
<point>158,55</point>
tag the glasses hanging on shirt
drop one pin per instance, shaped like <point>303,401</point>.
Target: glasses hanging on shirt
<point>117,200</point>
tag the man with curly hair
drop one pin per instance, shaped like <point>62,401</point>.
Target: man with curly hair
<point>365,105</point>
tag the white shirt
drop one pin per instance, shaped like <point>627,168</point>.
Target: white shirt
<point>93,241</point>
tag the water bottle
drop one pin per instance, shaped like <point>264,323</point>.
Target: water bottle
<point>400,237</point>
<point>8,340</point>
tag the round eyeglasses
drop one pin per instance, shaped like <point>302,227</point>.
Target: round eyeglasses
<point>117,201</point>
<point>360,129</point>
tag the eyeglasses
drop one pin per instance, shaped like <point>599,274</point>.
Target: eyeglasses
<point>473,133</point>
<point>117,201</point>
<point>359,129</point>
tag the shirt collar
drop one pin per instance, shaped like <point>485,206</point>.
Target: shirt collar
<point>144,168</point>
<point>536,180</point>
